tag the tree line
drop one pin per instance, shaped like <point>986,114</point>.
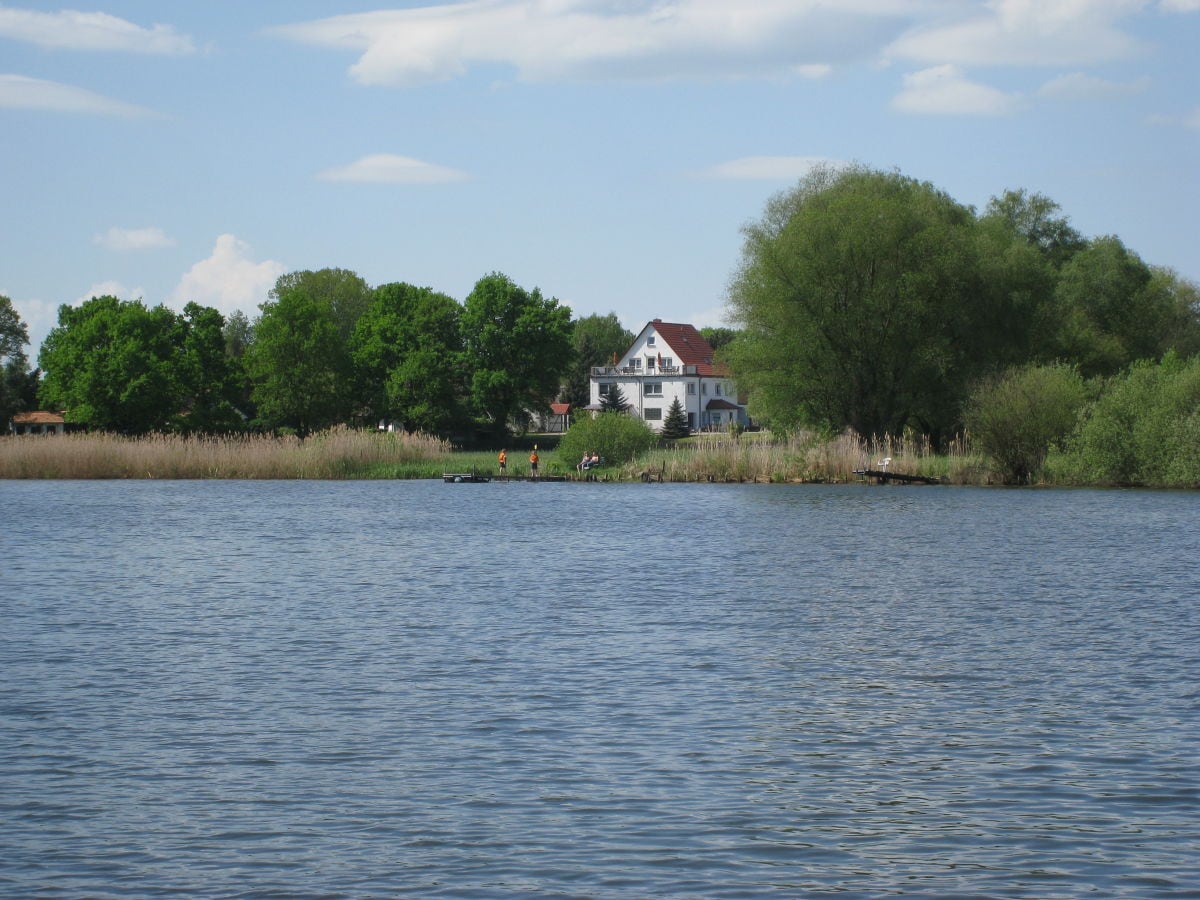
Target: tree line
<point>871,301</point>
<point>326,348</point>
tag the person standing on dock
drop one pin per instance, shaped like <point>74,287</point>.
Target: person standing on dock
<point>503,458</point>
<point>533,462</point>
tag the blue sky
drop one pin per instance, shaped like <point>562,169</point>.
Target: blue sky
<point>605,152</point>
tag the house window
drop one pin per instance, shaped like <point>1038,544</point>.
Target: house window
<point>653,389</point>
<point>650,340</point>
<point>668,361</point>
<point>653,414</point>
<point>718,387</point>
<point>606,388</point>
<point>636,362</point>
<point>649,362</point>
<point>691,387</point>
<point>704,388</point>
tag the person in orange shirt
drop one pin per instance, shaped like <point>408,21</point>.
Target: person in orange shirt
<point>533,461</point>
<point>503,458</point>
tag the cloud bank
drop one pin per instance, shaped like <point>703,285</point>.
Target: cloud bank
<point>945,91</point>
<point>22,92</point>
<point>122,239</point>
<point>385,168</point>
<point>587,39</point>
<point>72,30</point>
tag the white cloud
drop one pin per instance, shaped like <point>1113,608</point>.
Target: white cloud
<point>228,279</point>
<point>1187,120</point>
<point>589,39</point>
<point>110,289</point>
<point>769,168</point>
<point>1026,32</point>
<point>385,168</point>
<point>1181,6</point>
<point>133,239</point>
<point>945,91</point>
<point>72,30</point>
<point>20,92</point>
<point>1078,86</point>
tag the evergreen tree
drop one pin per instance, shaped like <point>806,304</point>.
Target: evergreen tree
<point>675,425</point>
<point>613,401</point>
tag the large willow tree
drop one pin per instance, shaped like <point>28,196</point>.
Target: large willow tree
<point>858,294</point>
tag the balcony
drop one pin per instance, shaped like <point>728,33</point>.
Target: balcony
<point>643,371</point>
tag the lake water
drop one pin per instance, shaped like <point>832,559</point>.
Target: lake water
<point>376,689</point>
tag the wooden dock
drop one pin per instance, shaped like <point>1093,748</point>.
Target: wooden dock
<point>882,476</point>
<point>484,478</point>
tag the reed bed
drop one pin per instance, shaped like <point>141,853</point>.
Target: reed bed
<point>805,457</point>
<point>343,453</point>
<point>339,453</point>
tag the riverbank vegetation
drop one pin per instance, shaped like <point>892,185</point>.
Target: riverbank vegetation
<point>993,346</point>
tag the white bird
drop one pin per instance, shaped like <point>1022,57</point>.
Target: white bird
<point>884,463</point>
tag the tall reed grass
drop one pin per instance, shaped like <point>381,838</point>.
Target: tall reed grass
<point>346,453</point>
<point>806,457</point>
<point>340,453</point>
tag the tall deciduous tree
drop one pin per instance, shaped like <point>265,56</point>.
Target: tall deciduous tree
<point>858,294</point>
<point>407,354</point>
<point>594,339</point>
<point>346,293</point>
<point>1111,310</point>
<point>518,345</point>
<point>208,378</point>
<point>111,364</point>
<point>18,386</point>
<point>298,363</point>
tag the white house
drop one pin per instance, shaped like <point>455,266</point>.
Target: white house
<point>666,362</point>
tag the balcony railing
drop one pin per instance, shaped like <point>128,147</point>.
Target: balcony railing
<point>645,371</point>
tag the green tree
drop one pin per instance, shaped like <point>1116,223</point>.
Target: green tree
<point>1018,316</point>
<point>613,400</point>
<point>518,346</point>
<point>675,425</point>
<point>209,379</point>
<point>111,364</point>
<point>858,294</point>
<point>617,438</point>
<point>18,386</point>
<point>718,336</point>
<point>407,355</point>
<point>238,333</point>
<point>346,293</point>
<point>1111,312</point>
<point>298,363</point>
<point>1038,221</point>
<point>594,339</point>
<point>1017,417</point>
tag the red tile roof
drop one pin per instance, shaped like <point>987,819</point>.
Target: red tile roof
<point>690,346</point>
<point>560,409</point>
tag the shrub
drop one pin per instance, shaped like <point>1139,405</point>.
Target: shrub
<point>1143,428</point>
<point>617,437</point>
<point>1017,417</point>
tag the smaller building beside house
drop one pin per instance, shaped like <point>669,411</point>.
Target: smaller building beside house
<point>559,419</point>
<point>37,422</point>
<point>668,361</point>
